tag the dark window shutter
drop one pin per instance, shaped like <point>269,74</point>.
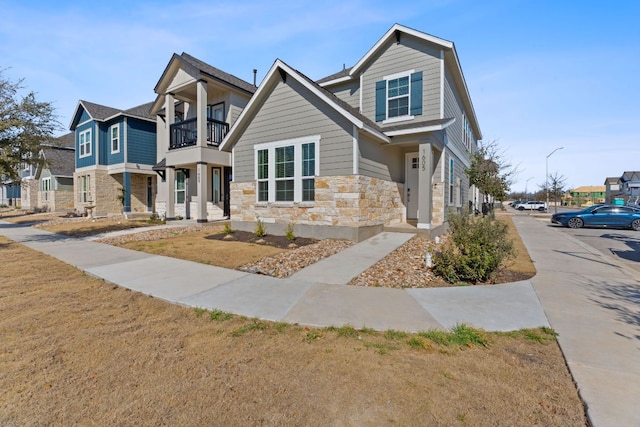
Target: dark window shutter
<point>381,100</point>
<point>416,93</point>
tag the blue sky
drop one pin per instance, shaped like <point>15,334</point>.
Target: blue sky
<point>542,74</point>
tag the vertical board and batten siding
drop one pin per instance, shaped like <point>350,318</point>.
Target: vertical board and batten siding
<point>105,138</point>
<point>84,116</point>
<point>410,54</point>
<point>141,142</point>
<point>89,160</point>
<point>291,111</point>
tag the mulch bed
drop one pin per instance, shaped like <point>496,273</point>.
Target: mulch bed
<point>276,241</point>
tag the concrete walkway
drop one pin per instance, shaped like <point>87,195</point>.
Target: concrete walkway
<point>588,298</point>
<point>593,302</point>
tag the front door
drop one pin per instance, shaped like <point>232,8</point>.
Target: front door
<point>411,185</point>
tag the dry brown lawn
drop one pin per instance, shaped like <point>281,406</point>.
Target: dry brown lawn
<point>78,351</point>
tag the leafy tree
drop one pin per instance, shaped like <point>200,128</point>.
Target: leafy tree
<point>25,125</point>
<point>490,171</point>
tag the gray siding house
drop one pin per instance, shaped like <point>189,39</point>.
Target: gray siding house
<point>54,175</point>
<point>380,144</point>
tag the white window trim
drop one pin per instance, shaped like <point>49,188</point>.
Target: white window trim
<point>86,143</point>
<point>297,165</point>
<point>111,139</point>
<point>386,97</point>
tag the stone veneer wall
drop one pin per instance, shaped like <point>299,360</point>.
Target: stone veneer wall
<point>438,204</point>
<point>340,201</point>
<point>104,193</point>
<point>62,201</point>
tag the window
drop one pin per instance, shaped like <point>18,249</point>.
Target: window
<point>180,186</point>
<point>84,139</point>
<point>451,180</point>
<point>399,96</point>
<point>467,133</point>
<point>115,139</point>
<point>84,188</point>
<point>263,175</point>
<point>285,171</point>
<point>216,185</point>
<point>45,187</point>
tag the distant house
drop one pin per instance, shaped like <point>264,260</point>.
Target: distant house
<point>195,105</point>
<point>382,143</point>
<point>115,151</point>
<point>630,186</point>
<point>612,189</point>
<point>588,195</point>
<point>54,175</point>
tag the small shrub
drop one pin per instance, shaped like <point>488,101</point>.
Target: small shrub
<point>179,217</point>
<point>289,233</point>
<point>260,230</point>
<point>227,228</point>
<point>475,250</point>
<point>220,315</point>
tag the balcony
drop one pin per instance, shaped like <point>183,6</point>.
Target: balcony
<point>185,133</point>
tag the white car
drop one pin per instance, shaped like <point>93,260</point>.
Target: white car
<point>532,206</point>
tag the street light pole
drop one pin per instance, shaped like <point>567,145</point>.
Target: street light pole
<point>526,184</point>
<point>546,173</point>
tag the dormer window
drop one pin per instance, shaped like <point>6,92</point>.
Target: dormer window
<point>399,97</point>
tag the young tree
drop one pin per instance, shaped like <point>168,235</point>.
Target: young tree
<point>557,184</point>
<point>490,172</point>
<point>25,124</point>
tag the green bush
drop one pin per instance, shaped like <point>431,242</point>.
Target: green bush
<point>289,233</point>
<point>476,248</point>
<point>260,230</point>
<point>227,228</point>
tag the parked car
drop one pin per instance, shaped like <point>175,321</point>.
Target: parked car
<point>532,206</point>
<point>608,216</point>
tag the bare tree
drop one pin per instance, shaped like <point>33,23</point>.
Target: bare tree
<point>490,171</point>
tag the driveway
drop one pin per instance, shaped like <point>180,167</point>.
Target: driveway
<point>622,244</point>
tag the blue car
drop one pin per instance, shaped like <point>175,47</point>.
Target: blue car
<point>608,216</point>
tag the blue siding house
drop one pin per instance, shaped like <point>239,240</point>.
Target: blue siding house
<point>115,151</point>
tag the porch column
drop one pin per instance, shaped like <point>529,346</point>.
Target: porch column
<point>202,179</point>
<point>126,187</point>
<point>170,116</point>
<point>170,175</point>
<point>425,195</point>
<point>202,113</point>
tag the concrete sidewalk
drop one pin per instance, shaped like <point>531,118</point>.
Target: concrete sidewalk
<point>592,301</point>
<point>315,296</point>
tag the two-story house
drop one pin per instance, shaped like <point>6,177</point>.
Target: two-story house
<point>630,186</point>
<point>115,151</point>
<point>384,142</point>
<point>195,105</point>
<point>54,175</point>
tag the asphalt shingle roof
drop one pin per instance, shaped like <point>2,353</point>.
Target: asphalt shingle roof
<point>218,74</point>
<point>99,112</point>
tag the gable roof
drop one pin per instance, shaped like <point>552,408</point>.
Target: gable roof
<point>277,71</point>
<point>196,68</point>
<point>611,180</point>
<point>395,33</point>
<point>629,176</point>
<point>590,189</point>
<point>59,156</point>
<point>102,113</point>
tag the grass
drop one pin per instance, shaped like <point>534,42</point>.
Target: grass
<point>76,351</point>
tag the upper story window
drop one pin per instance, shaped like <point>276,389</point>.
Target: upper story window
<point>467,133</point>
<point>216,112</point>
<point>285,171</point>
<point>115,138</point>
<point>399,97</point>
<point>84,139</point>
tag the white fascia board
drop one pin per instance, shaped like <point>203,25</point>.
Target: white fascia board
<point>73,116</point>
<point>123,114</point>
<point>278,64</point>
<point>382,136</point>
<point>423,129</point>
<point>336,81</point>
<point>389,34</point>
